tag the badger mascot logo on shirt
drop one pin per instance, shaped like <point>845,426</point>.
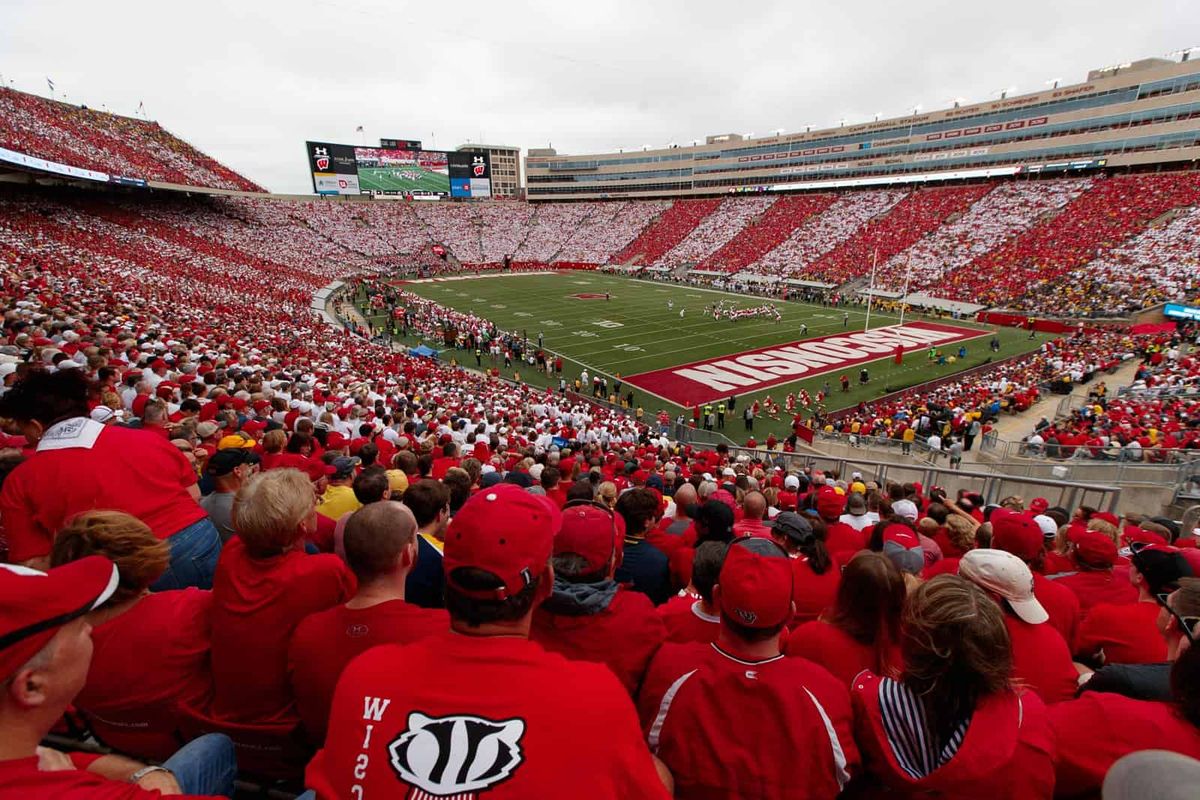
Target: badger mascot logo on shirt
<point>456,756</point>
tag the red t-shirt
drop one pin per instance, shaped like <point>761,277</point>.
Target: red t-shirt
<point>1093,588</point>
<point>508,714</point>
<point>624,635</point>
<point>835,650</point>
<point>257,604</point>
<point>731,727</point>
<point>813,593</point>
<point>842,538</point>
<point>20,779</point>
<point>325,642</point>
<point>1127,633</point>
<point>1061,604</point>
<point>1101,727</point>
<point>751,527</point>
<point>150,670</point>
<point>1041,660</point>
<point>685,621</point>
<point>77,469</point>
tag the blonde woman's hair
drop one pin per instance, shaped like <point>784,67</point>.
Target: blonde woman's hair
<point>1107,528</point>
<point>140,556</point>
<point>959,531</point>
<point>270,509</point>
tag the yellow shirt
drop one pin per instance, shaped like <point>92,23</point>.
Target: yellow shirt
<point>338,500</point>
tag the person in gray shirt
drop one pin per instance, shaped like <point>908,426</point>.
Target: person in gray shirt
<point>229,469</point>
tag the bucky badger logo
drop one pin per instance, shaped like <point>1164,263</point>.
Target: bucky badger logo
<point>445,756</point>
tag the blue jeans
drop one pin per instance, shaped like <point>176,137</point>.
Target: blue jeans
<point>205,766</point>
<point>194,553</point>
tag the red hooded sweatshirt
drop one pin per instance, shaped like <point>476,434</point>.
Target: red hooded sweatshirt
<point>1006,753</point>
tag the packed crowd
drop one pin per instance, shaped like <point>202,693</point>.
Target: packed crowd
<point>1009,209</point>
<point>610,227</point>
<point>78,136</point>
<point>716,230</point>
<point>960,410</point>
<point>919,213</point>
<point>1159,417</point>
<point>667,231</point>
<point>1054,264</point>
<point>763,235</point>
<point>442,597</point>
<point>823,232</point>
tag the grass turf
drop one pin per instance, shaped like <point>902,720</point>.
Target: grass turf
<point>381,179</point>
<point>635,332</point>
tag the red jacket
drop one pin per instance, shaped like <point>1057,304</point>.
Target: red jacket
<point>1126,633</point>
<point>1042,660</point>
<point>833,649</point>
<point>1060,603</point>
<point>625,635</point>
<point>1007,753</point>
<point>686,622</point>
<point>732,728</point>
<point>1093,588</point>
<point>1100,727</point>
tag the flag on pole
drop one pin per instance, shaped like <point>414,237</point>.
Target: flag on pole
<point>141,109</point>
<point>359,129</point>
<point>50,83</point>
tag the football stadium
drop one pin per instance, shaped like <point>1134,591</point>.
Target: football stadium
<point>852,461</point>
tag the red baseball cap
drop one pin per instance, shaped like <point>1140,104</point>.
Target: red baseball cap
<point>34,605</point>
<point>318,469</point>
<point>1094,549</point>
<point>334,441</point>
<point>1016,533</point>
<point>756,583</point>
<point>830,504</point>
<point>1038,505</point>
<point>1110,518</point>
<point>590,532</point>
<point>503,530</point>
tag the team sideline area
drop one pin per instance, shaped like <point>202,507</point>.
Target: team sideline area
<point>753,483</point>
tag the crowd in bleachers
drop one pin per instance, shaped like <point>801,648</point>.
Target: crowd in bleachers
<point>918,214</point>
<point>728,220</point>
<point>763,235</point>
<point>551,227</point>
<point>608,229</point>
<point>1052,265</point>
<point>668,230</point>
<point>823,232</point>
<point>1005,211</point>
<point>184,414</point>
<point>78,136</point>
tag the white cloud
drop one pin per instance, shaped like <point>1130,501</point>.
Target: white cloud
<point>248,82</point>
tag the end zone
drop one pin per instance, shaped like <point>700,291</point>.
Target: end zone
<point>741,373</point>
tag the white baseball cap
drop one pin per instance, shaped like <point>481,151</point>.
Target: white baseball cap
<point>791,482</point>
<point>905,508</point>
<point>1006,575</point>
<point>1047,524</point>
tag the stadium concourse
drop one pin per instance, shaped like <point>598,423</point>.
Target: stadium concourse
<point>303,519</point>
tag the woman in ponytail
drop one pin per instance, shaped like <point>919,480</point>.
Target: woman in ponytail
<point>815,577</point>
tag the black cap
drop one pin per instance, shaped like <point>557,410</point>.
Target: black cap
<point>793,526</point>
<point>1161,567</point>
<point>226,461</point>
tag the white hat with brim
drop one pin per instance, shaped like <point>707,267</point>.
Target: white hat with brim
<point>1006,575</point>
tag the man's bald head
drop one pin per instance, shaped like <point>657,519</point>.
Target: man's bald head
<point>754,506</point>
<point>685,496</point>
<point>375,537</point>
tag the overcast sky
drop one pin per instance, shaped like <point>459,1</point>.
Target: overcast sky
<point>248,81</point>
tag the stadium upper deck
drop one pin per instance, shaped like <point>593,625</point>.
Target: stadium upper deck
<point>1139,114</point>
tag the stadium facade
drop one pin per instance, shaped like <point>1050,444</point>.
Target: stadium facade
<point>1138,115</point>
<point>506,167</point>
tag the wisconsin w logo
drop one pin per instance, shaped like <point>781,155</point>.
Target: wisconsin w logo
<point>458,755</point>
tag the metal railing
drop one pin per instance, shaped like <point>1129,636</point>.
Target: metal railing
<point>992,486</point>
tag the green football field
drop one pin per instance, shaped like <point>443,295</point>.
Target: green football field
<point>635,332</point>
<point>383,179</point>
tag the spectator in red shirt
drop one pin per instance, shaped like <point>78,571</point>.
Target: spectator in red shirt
<point>754,508</point>
<point>862,630</point>
<point>265,585</point>
<point>841,540</point>
<point>1127,633</point>
<point>1101,727</point>
<point>381,548</point>
<point>713,521</point>
<point>150,665</point>
<point>953,724</point>
<point>482,694</point>
<point>1093,581</point>
<point>1041,658</point>
<point>816,577</point>
<point>1014,532</point>
<point>691,616</point>
<point>736,718</point>
<point>588,616</point>
<point>45,651</point>
<point>80,464</point>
